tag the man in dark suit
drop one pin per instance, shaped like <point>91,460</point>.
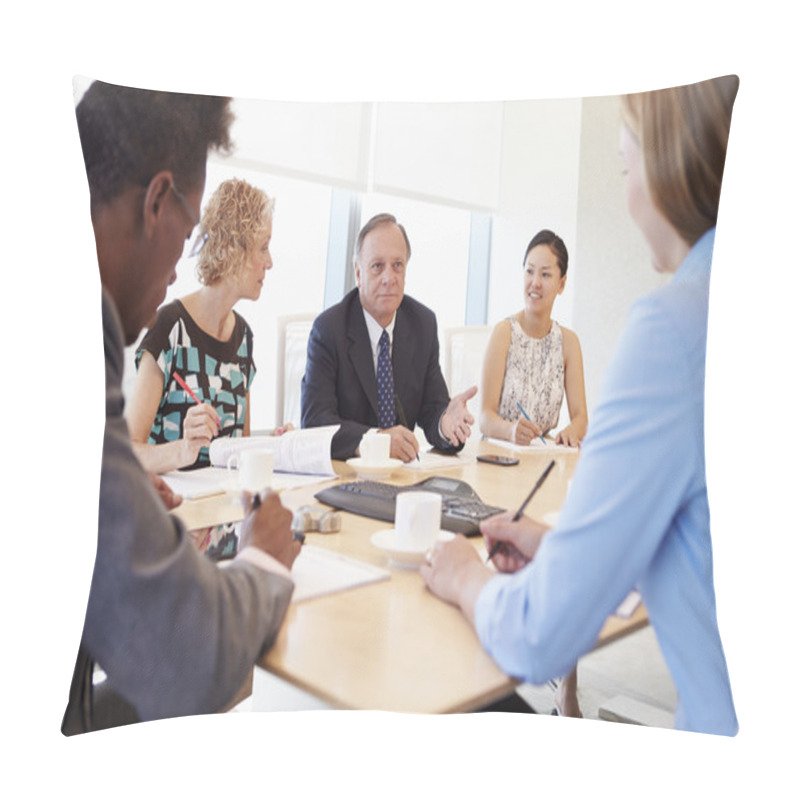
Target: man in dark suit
<point>173,633</point>
<point>373,359</point>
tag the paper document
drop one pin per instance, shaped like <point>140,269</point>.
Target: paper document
<point>209,481</point>
<point>439,461</point>
<point>629,604</point>
<point>318,571</point>
<point>305,451</point>
<point>537,445</point>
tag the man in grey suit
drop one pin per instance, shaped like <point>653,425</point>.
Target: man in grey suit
<point>173,633</point>
<point>373,359</point>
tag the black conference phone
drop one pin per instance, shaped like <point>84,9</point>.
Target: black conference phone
<point>462,509</point>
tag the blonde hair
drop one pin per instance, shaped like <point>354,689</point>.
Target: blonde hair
<point>234,216</point>
<point>683,133</point>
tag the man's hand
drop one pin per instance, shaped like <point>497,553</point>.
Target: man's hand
<point>168,497</point>
<point>404,443</point>
<point>456,420</point>
<point>518,540</point>
<point>269,527</point>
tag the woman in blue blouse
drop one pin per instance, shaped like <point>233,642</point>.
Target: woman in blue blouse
<point>637,511</point>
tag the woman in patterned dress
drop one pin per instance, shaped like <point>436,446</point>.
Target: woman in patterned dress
<point>203,340</point>
<point>531,361</point>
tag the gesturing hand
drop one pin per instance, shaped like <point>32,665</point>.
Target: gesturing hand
<point>456,420</point>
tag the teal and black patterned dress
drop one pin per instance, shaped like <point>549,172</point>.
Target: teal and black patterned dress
<point>219,373</point>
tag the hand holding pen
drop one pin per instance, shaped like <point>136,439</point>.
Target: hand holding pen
<point>493,525</point>
<point>198,402</point>
<point>401,418</point>
<point>525,429</point>
<point>268,526</point>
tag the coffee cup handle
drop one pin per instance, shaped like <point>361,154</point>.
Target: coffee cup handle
<point>233,458</point>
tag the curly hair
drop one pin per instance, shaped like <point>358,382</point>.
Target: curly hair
<point>235,215</point>
<point>128,135</point>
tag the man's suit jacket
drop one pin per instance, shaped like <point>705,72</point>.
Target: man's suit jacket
<point>339,385</point>
<point>174,633</point>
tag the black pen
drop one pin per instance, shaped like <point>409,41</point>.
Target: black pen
<point>400,415</point>
<point>497,545</point>
<point>296,535</point>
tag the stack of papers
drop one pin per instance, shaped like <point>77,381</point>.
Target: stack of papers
<point>210,481</point>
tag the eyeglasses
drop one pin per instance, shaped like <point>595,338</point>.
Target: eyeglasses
<point>192,216</point>
<point>200,241</point>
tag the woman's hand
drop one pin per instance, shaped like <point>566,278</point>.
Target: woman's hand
<point>285,428</point>
<point>569,437</point>
<point>523,431</point>
<point>518,540</point>
<point>200,426</point>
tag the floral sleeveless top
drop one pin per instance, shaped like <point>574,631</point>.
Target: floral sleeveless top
<point>534,377</point>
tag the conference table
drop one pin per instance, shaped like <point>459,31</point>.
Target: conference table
<point>391,645</point>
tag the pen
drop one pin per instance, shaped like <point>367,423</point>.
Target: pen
<point>400,415</point>
<point>296,535</point>
<point>497,545</point>
<point>185,387</point>
<point>525,414</point>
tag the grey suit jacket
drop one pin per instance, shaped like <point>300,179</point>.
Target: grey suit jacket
<point>339,385</point>
<point>174,633</point>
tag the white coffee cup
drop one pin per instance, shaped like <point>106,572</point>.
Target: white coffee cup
<point>375,448</point>
<point>254,469</point>
<point>417,519</point>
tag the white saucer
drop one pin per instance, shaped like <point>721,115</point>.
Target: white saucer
<point>401,555</point>
<point>383,469</point>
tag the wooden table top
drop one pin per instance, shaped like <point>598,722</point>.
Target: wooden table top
<point>392,645</point>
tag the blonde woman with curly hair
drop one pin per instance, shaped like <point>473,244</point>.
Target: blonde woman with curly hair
<point>201,341</point>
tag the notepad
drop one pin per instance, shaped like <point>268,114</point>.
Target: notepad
<point>439,461</point>
<point>318,572</point>
<point>536,446</point>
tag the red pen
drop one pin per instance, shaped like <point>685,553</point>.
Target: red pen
<point>191,394</point>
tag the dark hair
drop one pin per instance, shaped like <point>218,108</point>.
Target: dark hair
<point>555,243</point>
<point>379,219</point>
<point>683,133</point>
<point>128,135</point>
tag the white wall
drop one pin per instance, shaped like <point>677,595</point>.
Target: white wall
<point>613,266</point>
<point>540,164</point>
<point>538,189</point>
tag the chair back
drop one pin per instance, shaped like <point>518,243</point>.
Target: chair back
<point>293,333</point>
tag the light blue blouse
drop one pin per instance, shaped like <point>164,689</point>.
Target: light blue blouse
<point>636,516</point>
